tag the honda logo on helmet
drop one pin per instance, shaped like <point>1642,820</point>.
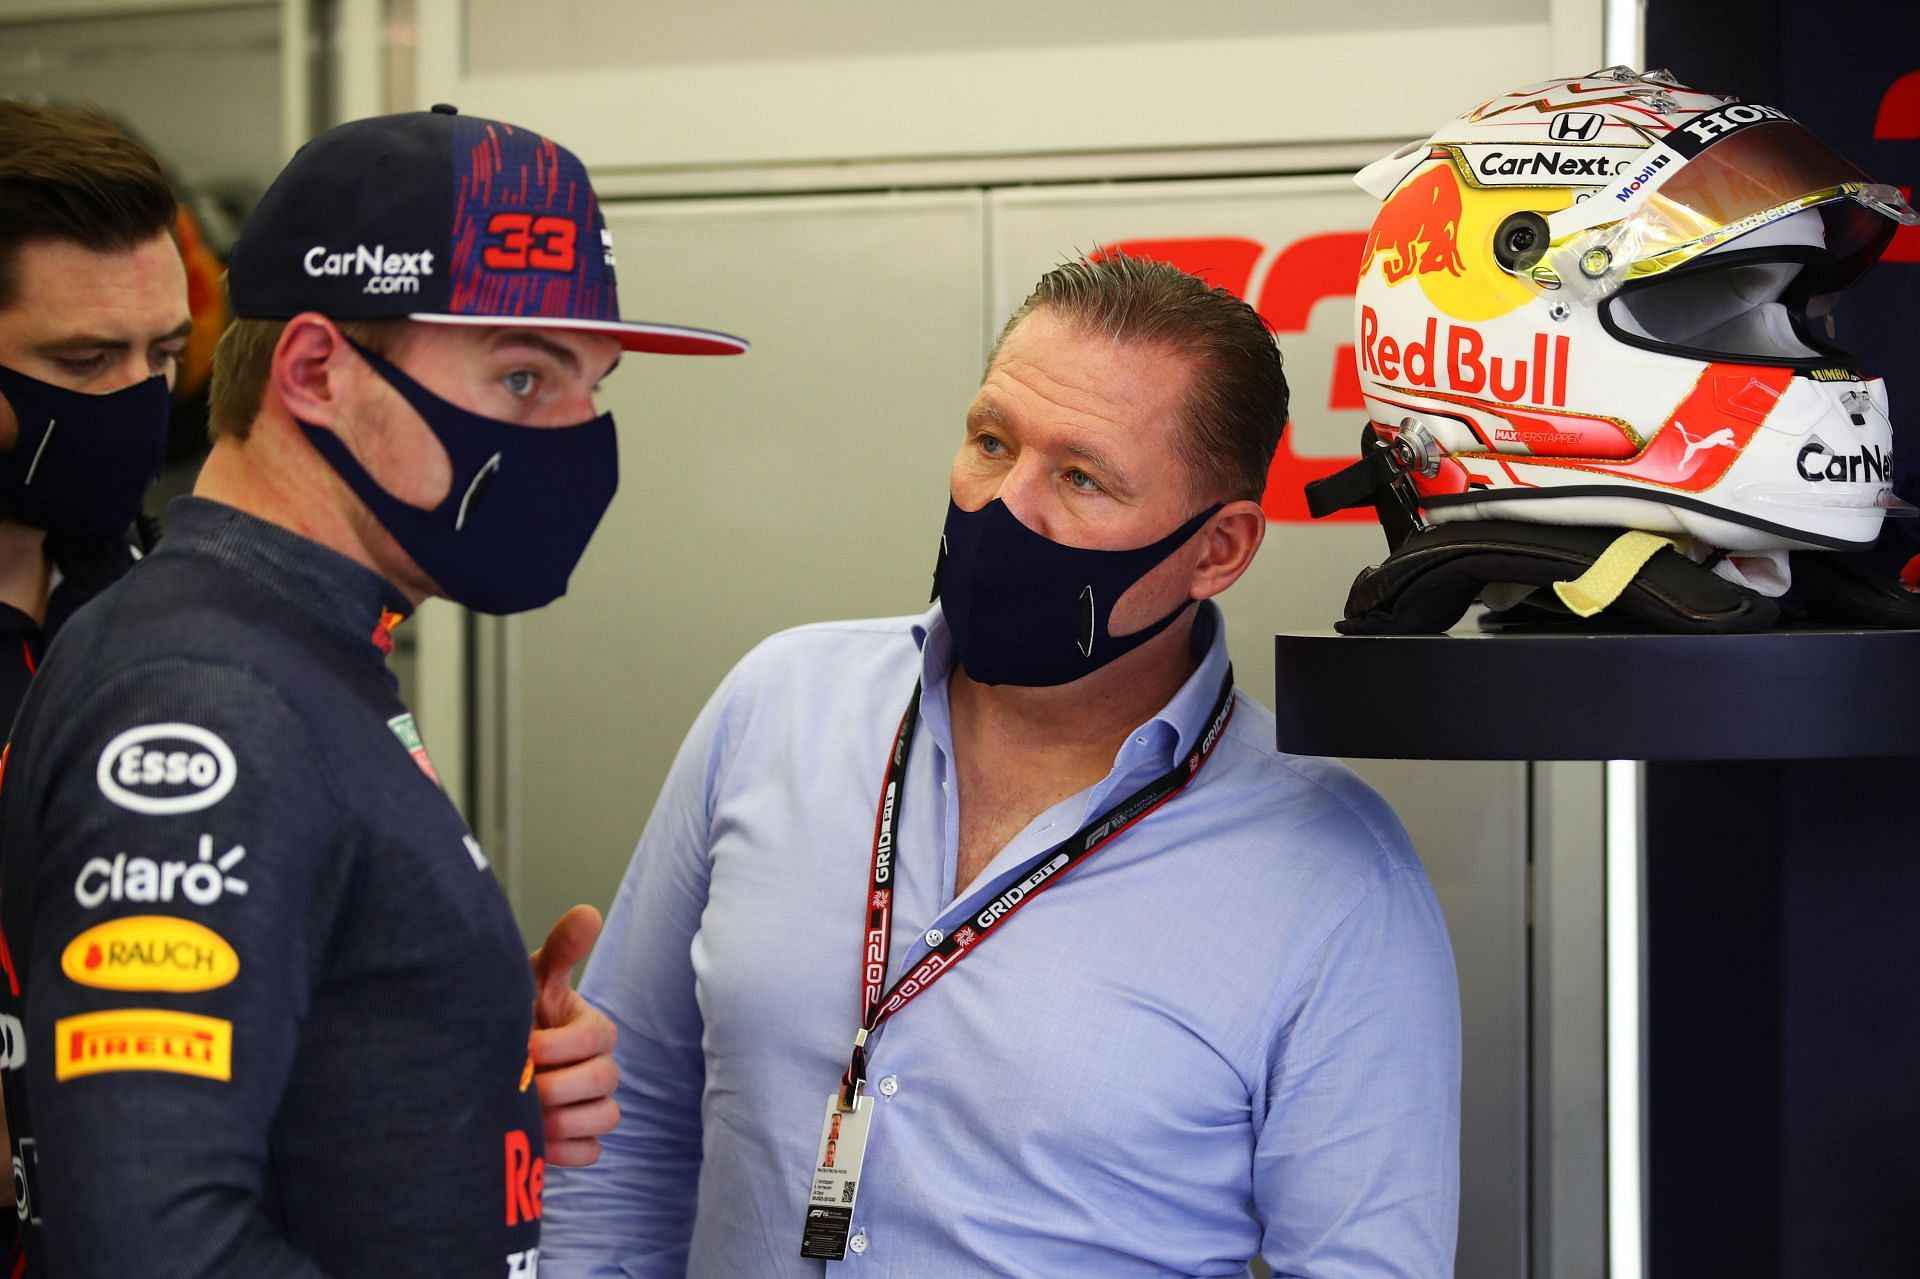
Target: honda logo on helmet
<point>1575,126</point>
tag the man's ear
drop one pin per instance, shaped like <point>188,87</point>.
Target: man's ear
<point>1228,543</point>
<point>311,369</point>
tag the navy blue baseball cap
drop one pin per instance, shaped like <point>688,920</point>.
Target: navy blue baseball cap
<point>445,219</point>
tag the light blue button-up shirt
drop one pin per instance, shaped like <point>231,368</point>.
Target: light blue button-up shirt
<point>1234,1031</point>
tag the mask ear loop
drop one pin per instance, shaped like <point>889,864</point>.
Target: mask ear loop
<point>394,376</point>
<point>1167,546</point>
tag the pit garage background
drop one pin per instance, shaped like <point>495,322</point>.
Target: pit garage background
<point>865,189</point>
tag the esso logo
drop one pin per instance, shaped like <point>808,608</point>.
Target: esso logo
<point>162,769</point>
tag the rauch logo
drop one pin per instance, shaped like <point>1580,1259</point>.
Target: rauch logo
<point>150,952</point>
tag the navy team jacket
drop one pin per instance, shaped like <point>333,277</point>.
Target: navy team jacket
<point>265,1008</point>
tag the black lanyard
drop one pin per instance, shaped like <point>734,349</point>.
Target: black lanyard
<point>878,1002</point>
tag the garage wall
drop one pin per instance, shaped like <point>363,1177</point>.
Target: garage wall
<point>761,83</point>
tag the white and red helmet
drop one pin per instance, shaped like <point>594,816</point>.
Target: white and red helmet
<point>1605,301</point>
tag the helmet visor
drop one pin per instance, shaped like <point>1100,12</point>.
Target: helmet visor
<point>1691,197</point>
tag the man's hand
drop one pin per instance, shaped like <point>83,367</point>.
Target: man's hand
<point>571,1046</point>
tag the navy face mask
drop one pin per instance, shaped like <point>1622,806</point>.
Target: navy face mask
<point>522,507</point>
<point>1028,611</point>
<point>82,463</point>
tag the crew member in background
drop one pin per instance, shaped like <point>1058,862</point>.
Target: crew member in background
<point>1013,909</point>
<point>93,321</point>
<point>276,1012</point>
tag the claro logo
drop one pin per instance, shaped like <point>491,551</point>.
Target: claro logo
<point>122,878</point>
<point>162,769</point>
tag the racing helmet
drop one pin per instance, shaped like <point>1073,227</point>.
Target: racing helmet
<point>1607,301</point>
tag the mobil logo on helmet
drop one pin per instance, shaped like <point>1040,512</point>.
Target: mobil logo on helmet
<point>1418,227</point>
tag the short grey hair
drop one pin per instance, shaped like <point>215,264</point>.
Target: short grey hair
<point>1236,404</point>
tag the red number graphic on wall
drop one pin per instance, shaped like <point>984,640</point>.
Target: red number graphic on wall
<point>1301,275</point>
<point>542,243</point>
<point>1899,120</point>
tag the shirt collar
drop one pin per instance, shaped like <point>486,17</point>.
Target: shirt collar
<point>936,665</point>
<point>1171,734</point>
<point>341,597</point>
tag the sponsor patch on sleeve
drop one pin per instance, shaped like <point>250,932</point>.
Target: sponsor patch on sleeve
<point>150,952</point>
<point>163,769</point>
<point>143,1039</point>
<point>408,734</point>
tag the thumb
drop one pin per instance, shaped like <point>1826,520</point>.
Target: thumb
<point>572,937</point>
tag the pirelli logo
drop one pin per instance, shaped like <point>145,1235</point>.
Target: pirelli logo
<point>153,1039</point>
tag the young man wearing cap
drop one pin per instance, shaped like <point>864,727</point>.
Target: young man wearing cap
<point>276,1010</point>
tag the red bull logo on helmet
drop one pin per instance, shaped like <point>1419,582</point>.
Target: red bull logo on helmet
<point>1418,228</point>
<point>1456,359</point>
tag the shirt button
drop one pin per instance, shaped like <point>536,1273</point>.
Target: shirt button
<point>935,936</point>
<point>890,1085</point>
<point>859,1242</point>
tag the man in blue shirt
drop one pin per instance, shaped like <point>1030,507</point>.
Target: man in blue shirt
<point>1074,970</point>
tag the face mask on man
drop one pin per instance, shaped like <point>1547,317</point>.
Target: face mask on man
<point>81,463</point>
<point>1026,610</point>
<point>522,507</point>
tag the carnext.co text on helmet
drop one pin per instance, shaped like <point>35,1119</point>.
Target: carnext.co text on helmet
<point>1548,163</point>
<point>1539,378</point>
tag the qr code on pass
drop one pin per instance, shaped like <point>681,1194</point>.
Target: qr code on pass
<point>846,1192</point>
